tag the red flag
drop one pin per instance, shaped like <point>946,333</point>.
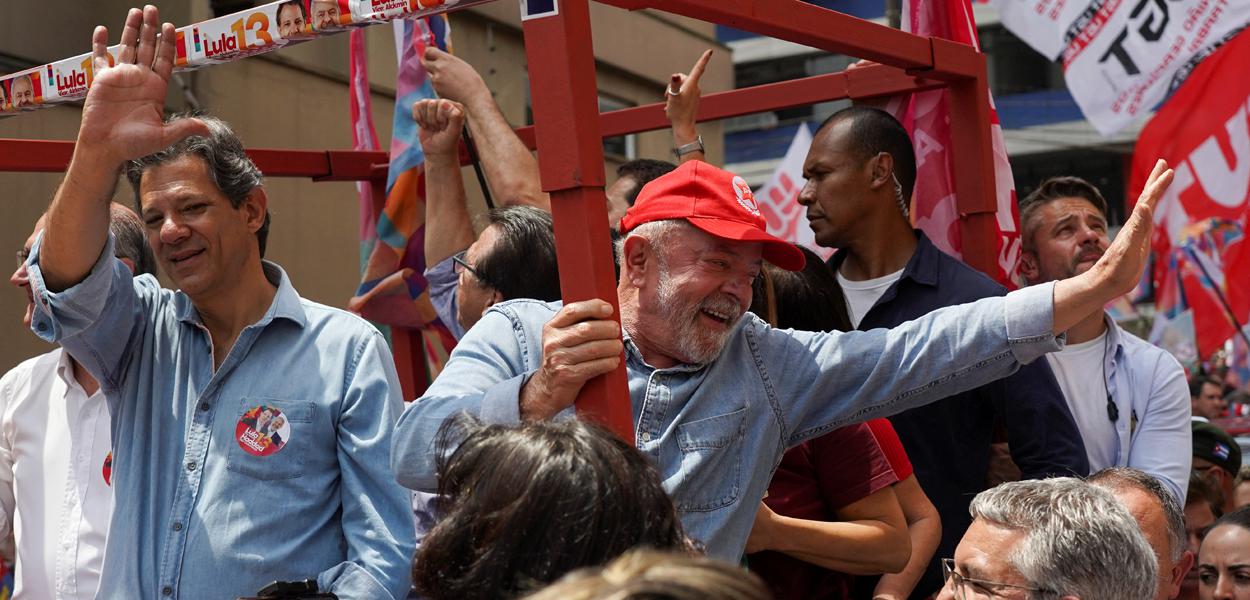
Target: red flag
<point>1199,237</point>
<point>926,115</point>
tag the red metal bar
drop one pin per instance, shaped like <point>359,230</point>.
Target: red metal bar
<point>858,84</point>
<point>975,194</point>
<point>802,23</point>
<point>570,150</point>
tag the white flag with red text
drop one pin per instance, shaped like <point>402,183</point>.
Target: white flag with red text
<point>778,198</point>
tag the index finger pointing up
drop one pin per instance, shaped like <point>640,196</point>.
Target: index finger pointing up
<point>697,71</point>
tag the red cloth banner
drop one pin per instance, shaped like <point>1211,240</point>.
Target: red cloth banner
<point>1201,258</point>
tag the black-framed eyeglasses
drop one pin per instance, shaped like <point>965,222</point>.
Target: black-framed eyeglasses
<point>959,584</point>
<point>463,265</point>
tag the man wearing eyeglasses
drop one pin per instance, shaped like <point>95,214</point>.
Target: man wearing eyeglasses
<point>55,451</point>
<point>514,257</point>
<point>1050,538</point>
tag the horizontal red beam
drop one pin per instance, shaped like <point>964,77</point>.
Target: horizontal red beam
<point>855,84</point>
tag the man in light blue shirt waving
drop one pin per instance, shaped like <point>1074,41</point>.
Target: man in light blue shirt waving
<point>252,426</point>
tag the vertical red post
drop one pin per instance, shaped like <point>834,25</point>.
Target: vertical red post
<point>975,193</point>
<point>565,98</point>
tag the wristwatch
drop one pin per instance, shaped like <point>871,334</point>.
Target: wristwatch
<point>684,149</point>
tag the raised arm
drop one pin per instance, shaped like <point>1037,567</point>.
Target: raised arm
<point>681,106</point>
<point>511,170</point>
<point>448,227</point>
<point>122,120</point>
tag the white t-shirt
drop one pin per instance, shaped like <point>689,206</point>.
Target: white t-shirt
<point>1079,369</point>
<point>862,295</point>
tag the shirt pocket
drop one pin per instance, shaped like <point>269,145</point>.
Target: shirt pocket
<point>287,462</point>
<point>711,461</point>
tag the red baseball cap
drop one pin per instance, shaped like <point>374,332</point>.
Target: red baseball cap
<point>717,202</point>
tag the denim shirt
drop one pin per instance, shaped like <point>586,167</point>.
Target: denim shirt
<point>197,515</point>
<point>716,432</point>
<point>1153,433</point>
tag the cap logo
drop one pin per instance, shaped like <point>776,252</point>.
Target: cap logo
<point>746,199</point>
<point>1221,451</point>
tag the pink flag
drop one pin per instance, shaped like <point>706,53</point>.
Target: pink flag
<point>926,115</point>
<point>778,198</point>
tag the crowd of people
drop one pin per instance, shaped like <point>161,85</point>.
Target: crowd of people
<point>888,424</point>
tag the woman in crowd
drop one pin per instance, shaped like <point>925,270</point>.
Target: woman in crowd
<point>1224,560</point>
<point>523,505</point>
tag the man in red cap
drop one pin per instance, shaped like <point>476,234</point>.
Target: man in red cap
<point>718,395</point>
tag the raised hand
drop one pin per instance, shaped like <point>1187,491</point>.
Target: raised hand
<point>440,122</point>
<point>1122,264</point>
<point>123,116</point>
<point>579,343</point>
<point>454,79</point>
<point>681,98</point>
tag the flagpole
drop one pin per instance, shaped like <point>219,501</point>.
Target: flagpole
<point>1219,295</point>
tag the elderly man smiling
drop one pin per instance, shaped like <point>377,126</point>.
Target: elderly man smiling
<point>717,396</point>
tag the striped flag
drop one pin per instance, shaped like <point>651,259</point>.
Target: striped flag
<point>393,290</point>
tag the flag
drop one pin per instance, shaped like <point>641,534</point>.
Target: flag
<point>778,198</point>
<point>926,115</point>
<point>1199,246</point>
<point>393,286</point>
<point>1122,57</point>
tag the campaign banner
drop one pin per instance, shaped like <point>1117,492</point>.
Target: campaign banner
<point>778,197</point>
<point>1122,57</point>
<point>249,32</point>
<point>1200,251</point>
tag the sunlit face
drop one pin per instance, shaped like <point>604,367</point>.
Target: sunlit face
<point>201,242</point>
<point>21,278</point>
<point>617,202</point>
<point>1224,564</point>
<point>1064,238</point>
<point>325,13</point>
<point>697,293</point>
<point>838,189</point>
<point>23,92</point>
<point>982,555</point>
<point>291,20</point>
<point>1210,402</point>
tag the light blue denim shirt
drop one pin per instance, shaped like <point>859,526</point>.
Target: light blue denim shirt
<point>716,432</point>
<point>1153,433</point>
<point>196,515</point>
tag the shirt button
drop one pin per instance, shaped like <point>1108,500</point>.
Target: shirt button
<point>203,406</point>
<point>42,327</point>
<point>646,436</point>
<point>167,591</point>
<point>191,466</point>
<point>177,527</point>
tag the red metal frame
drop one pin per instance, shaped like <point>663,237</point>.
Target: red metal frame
<point>569,131</point>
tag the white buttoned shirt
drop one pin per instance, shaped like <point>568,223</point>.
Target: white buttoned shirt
<point>54,488</point>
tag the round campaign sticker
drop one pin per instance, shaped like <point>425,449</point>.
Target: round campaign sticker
<point>108,469</point>
<point>263,430</point>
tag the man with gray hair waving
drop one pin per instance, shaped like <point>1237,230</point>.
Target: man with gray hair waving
<point>1050,538</point>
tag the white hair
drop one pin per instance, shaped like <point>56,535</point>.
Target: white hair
<point>1079,540</point>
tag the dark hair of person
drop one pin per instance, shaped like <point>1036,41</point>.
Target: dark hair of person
<point>1053,189</point>
<point>874,131</point>
<point>229,167</point>
<point>809,300</point>
<point>1197,381</point>
<point>1239,517</point>
<point>1201,490</point>
<point>643,170</point>
<point>130,240</point>
<point>522,262</point>
<point>300,3</point>
<point>522,505</point>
